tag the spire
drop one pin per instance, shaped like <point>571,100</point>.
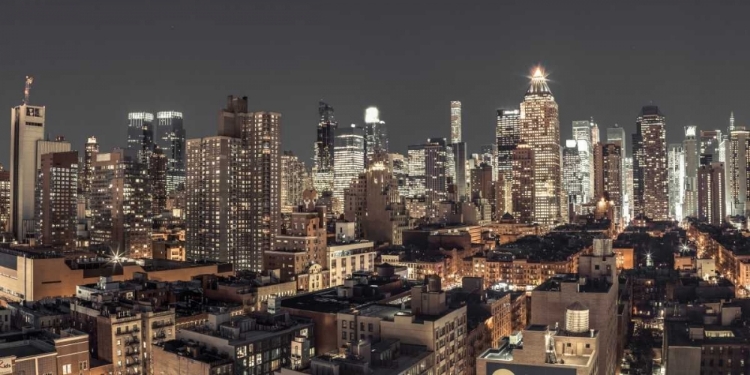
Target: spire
<point>538,83</point>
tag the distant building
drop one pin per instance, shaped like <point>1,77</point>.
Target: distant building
<point>711,200</point>
<point>27,128</point>
<point>170,137</point>
<point>650,177</point>
<point>523,190</point>
<point>376,134</point>
<point>507,135</point>
<point>690,148</point>
<point>349,155</point>
<point>57,199</point>
<point>323,174</point>
<point>295,178</point>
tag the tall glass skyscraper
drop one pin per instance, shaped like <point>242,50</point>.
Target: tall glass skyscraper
<point>507,138</point>
<point>140,137</point>
<point>376,134</point>
<point>170,137</point>
<point>650,177</point>
<point>349,156</point>
<point>540,129</point>
<point>324,156</point>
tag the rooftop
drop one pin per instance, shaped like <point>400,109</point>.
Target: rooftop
<point>585,285</point>
<point>677,333</point>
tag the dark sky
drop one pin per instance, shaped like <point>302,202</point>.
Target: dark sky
<point>95,61</point>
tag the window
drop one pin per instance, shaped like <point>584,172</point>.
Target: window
<point>369,327</point>
<point>67,369</point>
<point>343,324</point>
<point>343,335</point>
<point>588,346</point>
<point>83,365</point>
<point>361,326</point>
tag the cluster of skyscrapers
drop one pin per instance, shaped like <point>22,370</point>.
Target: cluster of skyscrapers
<point>233,192</point>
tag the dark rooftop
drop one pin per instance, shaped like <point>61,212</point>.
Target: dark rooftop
<point>588,285</point>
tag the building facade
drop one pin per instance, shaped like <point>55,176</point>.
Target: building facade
<point>57,199</point>
<point>650,169</point>
<point>170,137</point>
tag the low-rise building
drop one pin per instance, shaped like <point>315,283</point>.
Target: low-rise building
<point>44,352</point>
<point>346,258</point>
<point>179,357</point>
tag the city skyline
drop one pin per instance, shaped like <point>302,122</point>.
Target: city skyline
<point>485,82</point>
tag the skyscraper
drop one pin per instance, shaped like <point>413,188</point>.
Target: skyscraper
<point>610,178</point>
<point>676,176</point>
<point>709,146</point>
<point>711,200</point>
<point>216,212</point>
<point>523,183</point>
<point>458,156</point>
<point>627,185</point>
<point>455,122</point>
<point>158,177</point>
<point>376,134</point>
<point>540,129</point>
<point>57,199</point>
<point>650,182</point>
<point>690,195</point>
<point>427,170</point>
<point>140,137</point>
<point>170,137</point>
<point>574,175</point>
<point>507,138</point>
<point>85,171</point>
<point>400,166</point>
<point>27,128</point>
<point>323,174</point>
<point>583,133</point>
<point>349,161</point>
<point>737,165</point>
<point>294,180</point>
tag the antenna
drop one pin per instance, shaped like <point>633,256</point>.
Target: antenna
<point>29,81</point>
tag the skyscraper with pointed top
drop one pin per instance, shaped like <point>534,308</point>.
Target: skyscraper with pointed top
<point>540,130</point>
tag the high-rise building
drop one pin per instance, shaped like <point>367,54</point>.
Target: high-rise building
<point>737,165</point>
<point>481,182</point>
<point>140,137</point>
<point>86,172</point>
<point>417,177</point>
<point>616,136</point>
<point>676,176</point>
<point>427,170</point>
<point>170,137</point>
<point>216,218</point>
<point>27,128</point>
<point>323,174</point>
<point>690,195</point>
<point>523,190</point>
<point>57,199</point>
<point>627,185</point>
<point>507,138</point>
<point>400,166</point>
<point>583,133</point>
<point>158,178</point>
<point>711,200</point>
<point>540,129</point>
<point>650,182</point>
<point>349,162</point>
<point>458,153</point>
<point>4,199</point>
<point>575,175</point>
<point>376,134</point>
<point>294,180</point>
<point>709,146</point>
<point>455,122</point>
<point>609,180</point>
<point>120,206</point>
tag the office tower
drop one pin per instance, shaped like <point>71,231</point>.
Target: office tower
<point>416,170</point>
<point>458,156</point>
<point>140,137</point>
<point>349,162</point>
<point>427,170</point>
<point>616,136</point>
<point>294,178</point>
<point>595,137</point>
<point>86,172</point>
<point>711,200</point>
<point>216,218</point>
<point>27,128</point>
<point>158,178</point>
<point>507,137</point>
<point>650,183</point>
<point>575,175</point>
<point>676,177</point>
<point>737,165</point>
<point>4,199</point>
<point>609,180</point>
<point>523,189</point>
<point>400,166</point>
<point>690,194</point>
<point>455,122</point>
<point>709,146</point>
<point>120,207</point>
<point>376,134</point>
<point>57,199</point>
<point>540,129</point>
<point>323,174</point>
<point>583,133</point>
<point>170,137</point>
<point>627,185</point>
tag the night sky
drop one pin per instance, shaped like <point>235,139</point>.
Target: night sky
<point>95,61</point>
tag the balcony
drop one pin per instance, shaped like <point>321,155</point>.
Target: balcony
<point>127,332</point>
<point>162,324</point>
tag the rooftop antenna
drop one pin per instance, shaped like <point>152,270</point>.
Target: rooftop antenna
<point>29,81</point>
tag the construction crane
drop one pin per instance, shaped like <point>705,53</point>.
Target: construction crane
<point>29,81</point>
